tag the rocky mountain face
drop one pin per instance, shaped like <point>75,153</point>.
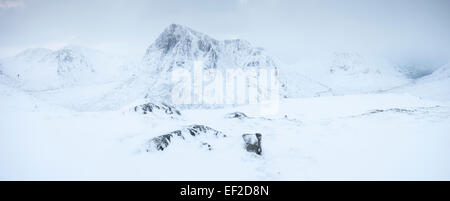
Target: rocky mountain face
<point>179,47</point>
<point>70,63</point>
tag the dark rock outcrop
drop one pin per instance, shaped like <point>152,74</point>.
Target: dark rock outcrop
<point>395,110</point>
<point>253,142</point>
<point>236,115</point>
<point>207,146</point>
<point>151,107</point>
<point>161,142</point>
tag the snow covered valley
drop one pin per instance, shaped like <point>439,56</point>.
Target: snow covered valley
<point>355,137</point>
<point>79,114</point>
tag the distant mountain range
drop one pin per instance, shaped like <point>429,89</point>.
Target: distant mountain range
<point>180,47</point>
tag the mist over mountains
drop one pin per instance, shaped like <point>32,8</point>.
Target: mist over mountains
<point>274,90</point>
<point>178,46</point>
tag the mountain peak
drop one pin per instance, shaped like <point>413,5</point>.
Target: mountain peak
<point>180,46</point>
<point>180,29</point>
<point>176,34</point>
<point>173,27</point>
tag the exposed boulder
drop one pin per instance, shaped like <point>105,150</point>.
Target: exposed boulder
<point>236,115</point>
<point>395,110</point>
<point>152,108</point>
<point>195,130</point>
<point>206,146</point>
<point>253,142</point>
<point>161,142</point>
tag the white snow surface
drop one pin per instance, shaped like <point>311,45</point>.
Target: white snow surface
<point>322,138</point>
<point>68,114</point>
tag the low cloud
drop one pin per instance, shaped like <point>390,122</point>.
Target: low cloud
<point>7,4</point>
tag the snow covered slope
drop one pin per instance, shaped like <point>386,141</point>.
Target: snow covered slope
<point>349,73</point>
<point>435,86</point>
<point>44,69</point>
<point>376,137</point>
<point>297,82</point>
<point>73,77</point>
<point>84,79</point>
<point>76,114</point>
<point>180,47</point>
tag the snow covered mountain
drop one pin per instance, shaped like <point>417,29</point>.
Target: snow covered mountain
<point>41,69</point>
<point>435,86</point>
<point>442,73</point>
<point>349,73</point>
<point>180,47</point>
<point>105,82</point>
<point>44,69</point>
<point>78,109</point>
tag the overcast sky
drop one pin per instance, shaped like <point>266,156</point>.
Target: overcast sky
<point>289,30</point>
